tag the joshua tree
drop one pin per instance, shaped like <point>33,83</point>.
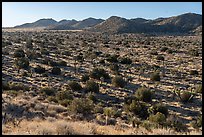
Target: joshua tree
<point>108,112</point>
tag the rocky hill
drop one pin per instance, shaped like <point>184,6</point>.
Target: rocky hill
<point>38,23</point>
<point>185,23</point>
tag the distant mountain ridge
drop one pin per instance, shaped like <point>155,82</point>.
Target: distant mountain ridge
<point>184,23</point>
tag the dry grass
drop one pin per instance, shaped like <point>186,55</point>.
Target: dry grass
<point>62,127</point>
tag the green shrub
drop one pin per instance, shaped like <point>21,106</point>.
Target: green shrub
<point>137,108</point>
<point>158,118</point>
<point>163,49</point>
<point>29,44</point>
<point>91,86</point>
<point>193,72</point>
<point>52,99</point>
<point>56,71</point>
<point>22,63</point>
<point>97,73</point>
<point>39,69</point>
<point>125,60</point>
<point>114,67</point>
<point>112,58</point>
<point>18,86</point>
<point>5,85</point>
<point>66,52</point>
<point>81,105</point>
<point>144,94</point>
<point>48,91</point>
<point>62,63</point>
<point>155,76</point>
<point>147,125</point>
<point>118,81</point>
<point>158,108</point>
<point>19,53</point>
<point>74,86</point>
<point>153,52</point>
<point>45,52</point>
<point>92,96</point>
<point>194,52</point>
<point>160,57</point>
<point>84,78</point>
<point>53,63</point>
<point>173,122</point>
<point>63,95</point>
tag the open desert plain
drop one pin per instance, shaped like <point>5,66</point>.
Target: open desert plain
<point>110,77</point>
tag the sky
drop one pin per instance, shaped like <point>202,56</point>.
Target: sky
<point>17,13</point>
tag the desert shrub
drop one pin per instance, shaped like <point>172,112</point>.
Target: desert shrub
<point>128,100</point>
<point>163,49</point>
<point>125,60</point>
<point>154,52</point>
<point>158,118</point>
<point>98,108</point>
<point>53,63</point>
<point>5,85</point>
<point>56,71</point>
<point>22,63</point>
<point>81,105</point>
<point>52,99</point>
<point>19,53</point>
<point>75,86</point>
<point>197,123</point>
<point>193,72</point>
<point>45,52</point>
<point>29,44</point>
<point>170,51</point>
<point>66,52</point>
<point>118,81</point>
<point>84,78</point>
<point>39,69</point>
<point>137,108</point>
<point>63,95</point>
<point>102,61</point>
<point>194,52</point>
<point>48,91</point>
<point>91,86</point>
<point>147,125</point>
<point>62,63</point>
<point>160,57</point>
<point>144,94</point>
<point>18,86</point>
<point>173,122</point>
<point>92,96</point>
<point>198,89</point>
<point>158,108</point>
<point>155,76</point>
<point>64,129</point>
<point>114,67</point>
<point>185,96</point>
<point>112,58</point>
<point>97,73</point>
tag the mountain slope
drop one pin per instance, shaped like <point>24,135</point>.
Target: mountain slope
<point>38,23</point>
<point>184,23</point>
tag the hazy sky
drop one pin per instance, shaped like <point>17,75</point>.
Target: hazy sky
<point>16,13</point>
